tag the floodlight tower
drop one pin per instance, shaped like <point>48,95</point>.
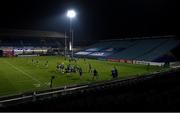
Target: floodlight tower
<point>71,14</point>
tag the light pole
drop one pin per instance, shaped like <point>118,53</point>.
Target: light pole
<point>71,14</point>
<point>65,48</point>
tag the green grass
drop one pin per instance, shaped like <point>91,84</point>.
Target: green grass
<point>18,75</point>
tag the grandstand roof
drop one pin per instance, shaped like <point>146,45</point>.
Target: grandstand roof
<point>136,38</point>
<point>31,33</point>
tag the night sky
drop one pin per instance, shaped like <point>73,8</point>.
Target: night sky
<point>96,19</point>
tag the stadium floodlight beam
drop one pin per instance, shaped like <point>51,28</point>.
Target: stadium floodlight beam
<point>71,14</point>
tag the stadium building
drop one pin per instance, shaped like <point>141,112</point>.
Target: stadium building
<point>15,42</point>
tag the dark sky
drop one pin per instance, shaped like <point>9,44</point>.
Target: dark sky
<point>96,19</point>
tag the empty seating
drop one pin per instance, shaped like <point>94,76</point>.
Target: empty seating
<point>148,49</point>
<point>160,50</point>
<point>141,47</point>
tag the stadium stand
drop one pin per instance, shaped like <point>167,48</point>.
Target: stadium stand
<point>30,38</point>
<point>160,50</point>
<point>33,42</point>
<point>142,46</point>
<point>105,48</point>
<point>33,46</point>
<point>145,49</point>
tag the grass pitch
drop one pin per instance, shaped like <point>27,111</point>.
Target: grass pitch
<point>19,74</point>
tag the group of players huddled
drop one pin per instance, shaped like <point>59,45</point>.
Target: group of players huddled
<point>73,68</point>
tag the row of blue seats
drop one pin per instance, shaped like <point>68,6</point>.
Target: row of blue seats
<point>160,50</point>
<point>140,49</point>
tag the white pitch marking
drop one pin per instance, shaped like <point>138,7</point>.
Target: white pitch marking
<point>28,75</point>
<point>37,85</point>
<point>47,83</point>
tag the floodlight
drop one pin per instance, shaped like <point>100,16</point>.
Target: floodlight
<point>71,14</point>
